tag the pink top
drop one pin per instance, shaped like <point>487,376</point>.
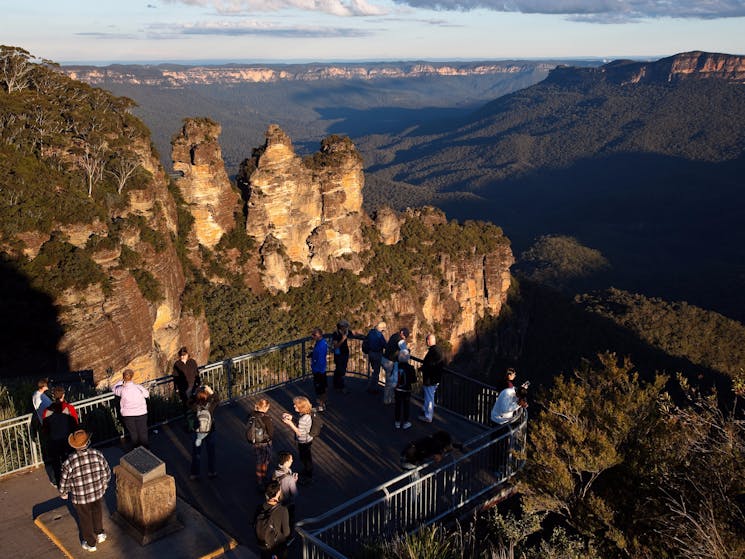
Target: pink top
<point>133,398</point>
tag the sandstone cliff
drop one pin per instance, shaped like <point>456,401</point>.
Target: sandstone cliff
<point>203,183</point>
<point>304,214</point>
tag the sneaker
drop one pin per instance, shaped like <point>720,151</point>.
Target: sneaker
<point>406,425</point>
<point>320,408</point>
<point>100,538</point>
<point>87,547</point>
<point>424,418</point>
<point>398,424</point>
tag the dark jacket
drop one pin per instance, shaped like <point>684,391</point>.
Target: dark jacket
<point>432,366</point>
<point>280,519</point>
<point>267,421</point>
<point>376,340</point>
<point>391,348</point>
<point>186,375</point>
<point>406,377</point>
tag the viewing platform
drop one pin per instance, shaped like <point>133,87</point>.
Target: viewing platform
<point>359,493</point>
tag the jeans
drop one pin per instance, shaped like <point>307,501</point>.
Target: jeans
<point>429,401</point>
<point>340,361</point>
<point>375,359</point>
<point>137,428</point>
<point>196,453</point>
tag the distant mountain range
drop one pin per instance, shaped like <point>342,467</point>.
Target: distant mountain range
<point>643,161</point>
<point>175,75</point>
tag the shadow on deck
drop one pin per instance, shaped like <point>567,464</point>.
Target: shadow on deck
<point>357,450</point>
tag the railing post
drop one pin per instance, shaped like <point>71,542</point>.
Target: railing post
<point>228,366</point>
<point>304,359</point>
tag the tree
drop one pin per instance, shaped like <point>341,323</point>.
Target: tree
<point>92,161</point>
<point>15,66</point>
<point>586,427</point>
<point>122,167</point>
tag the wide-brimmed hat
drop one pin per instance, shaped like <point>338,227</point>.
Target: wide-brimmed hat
<point>79,440</point>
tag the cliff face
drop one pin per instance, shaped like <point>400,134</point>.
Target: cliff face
<point>687,65</point>
<point>204,184</point>
<point>179,76</point>
<point>304,214</point>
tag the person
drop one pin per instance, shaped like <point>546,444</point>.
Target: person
<point>507,380</point>
<point>507,403</point>
<point>205,400</point>
<point>260,432</point>
<point>185,376</point>
<point>302,435</point>
<point>40,399</point>
<point>432,447</point>
<point>58,421</point>
<point>389,363</point>
<point>318,366</point>
<point>85,476</point>
<point>503,412</point>
<point>406,377</point>
<point>341,353</point>
<point>133,407</point>
<point>432,366</point>
<point>272,522</point>
<point>376,344</point>
<point>287,483</point>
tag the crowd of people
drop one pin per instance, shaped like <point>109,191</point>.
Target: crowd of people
<point>82,473</point>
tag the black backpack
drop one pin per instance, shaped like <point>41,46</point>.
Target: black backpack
<point>266,533</point>
<point>256,432</point>
<point>316,424</point>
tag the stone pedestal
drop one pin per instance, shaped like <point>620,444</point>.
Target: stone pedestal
<point>145,496</point>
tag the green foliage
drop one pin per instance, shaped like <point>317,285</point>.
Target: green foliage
<point>128,258</point>
<point>585,430</point>
<point>150,287</point>
<point>559,261</point>
<point>60,265</point>
<point>703,337</point>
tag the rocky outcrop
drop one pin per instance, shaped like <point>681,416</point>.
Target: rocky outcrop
<point>387,225</point>
<point>304,214</point>
<point>203,183</point>
<point>687,65</point>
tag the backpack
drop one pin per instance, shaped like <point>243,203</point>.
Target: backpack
<point>256,432</point>
<point>266,533</point>
<point>203,422</point>
<point>316,424</point>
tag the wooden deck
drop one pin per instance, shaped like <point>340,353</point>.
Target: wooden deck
<point>357,450</point>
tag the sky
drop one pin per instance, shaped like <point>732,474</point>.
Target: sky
<point>106,31</point>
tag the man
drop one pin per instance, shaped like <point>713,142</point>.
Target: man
<point>58,421</point>
<point>185,375</point>
<point>318,366</point>
<point>40,398</point>
<point>376,344</point>
<point>432,367</point>
<point>272,523</point>
<point>389,362</point>
<point>85,476</point>
<point>341,353</point>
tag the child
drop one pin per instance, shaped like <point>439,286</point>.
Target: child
<point>287,483</point>
<point>259,433</point>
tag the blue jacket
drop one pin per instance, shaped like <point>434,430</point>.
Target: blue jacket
<point>318,358</point>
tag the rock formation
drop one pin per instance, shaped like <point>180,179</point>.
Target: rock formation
<point>204,184</point>
<point>304,214</point>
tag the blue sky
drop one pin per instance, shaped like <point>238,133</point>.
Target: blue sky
<point>107,31</point>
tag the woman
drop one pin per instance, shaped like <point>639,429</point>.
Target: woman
<point>58,421</point>
<point>204,431</point>
<point>133,407</point>
<point>402,394</point>
<point>185,375</point>
<point>302,435</point>
<point>260,432</point>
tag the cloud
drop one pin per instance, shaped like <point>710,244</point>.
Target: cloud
<point>102,35</point>
<point>343,8</point>
<point>596,10</point>
<point>251,27</point>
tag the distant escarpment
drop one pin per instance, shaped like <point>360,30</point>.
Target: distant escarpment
<point>87,233</point>
<point>174,75</point>
<point>688,65</point>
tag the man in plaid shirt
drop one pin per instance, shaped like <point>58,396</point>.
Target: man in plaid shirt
<point>85,475</point>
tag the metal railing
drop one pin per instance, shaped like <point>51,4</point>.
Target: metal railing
<point>251,373</point>
<point>425,495</point>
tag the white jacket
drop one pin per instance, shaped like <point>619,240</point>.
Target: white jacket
<point>505,407</point>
